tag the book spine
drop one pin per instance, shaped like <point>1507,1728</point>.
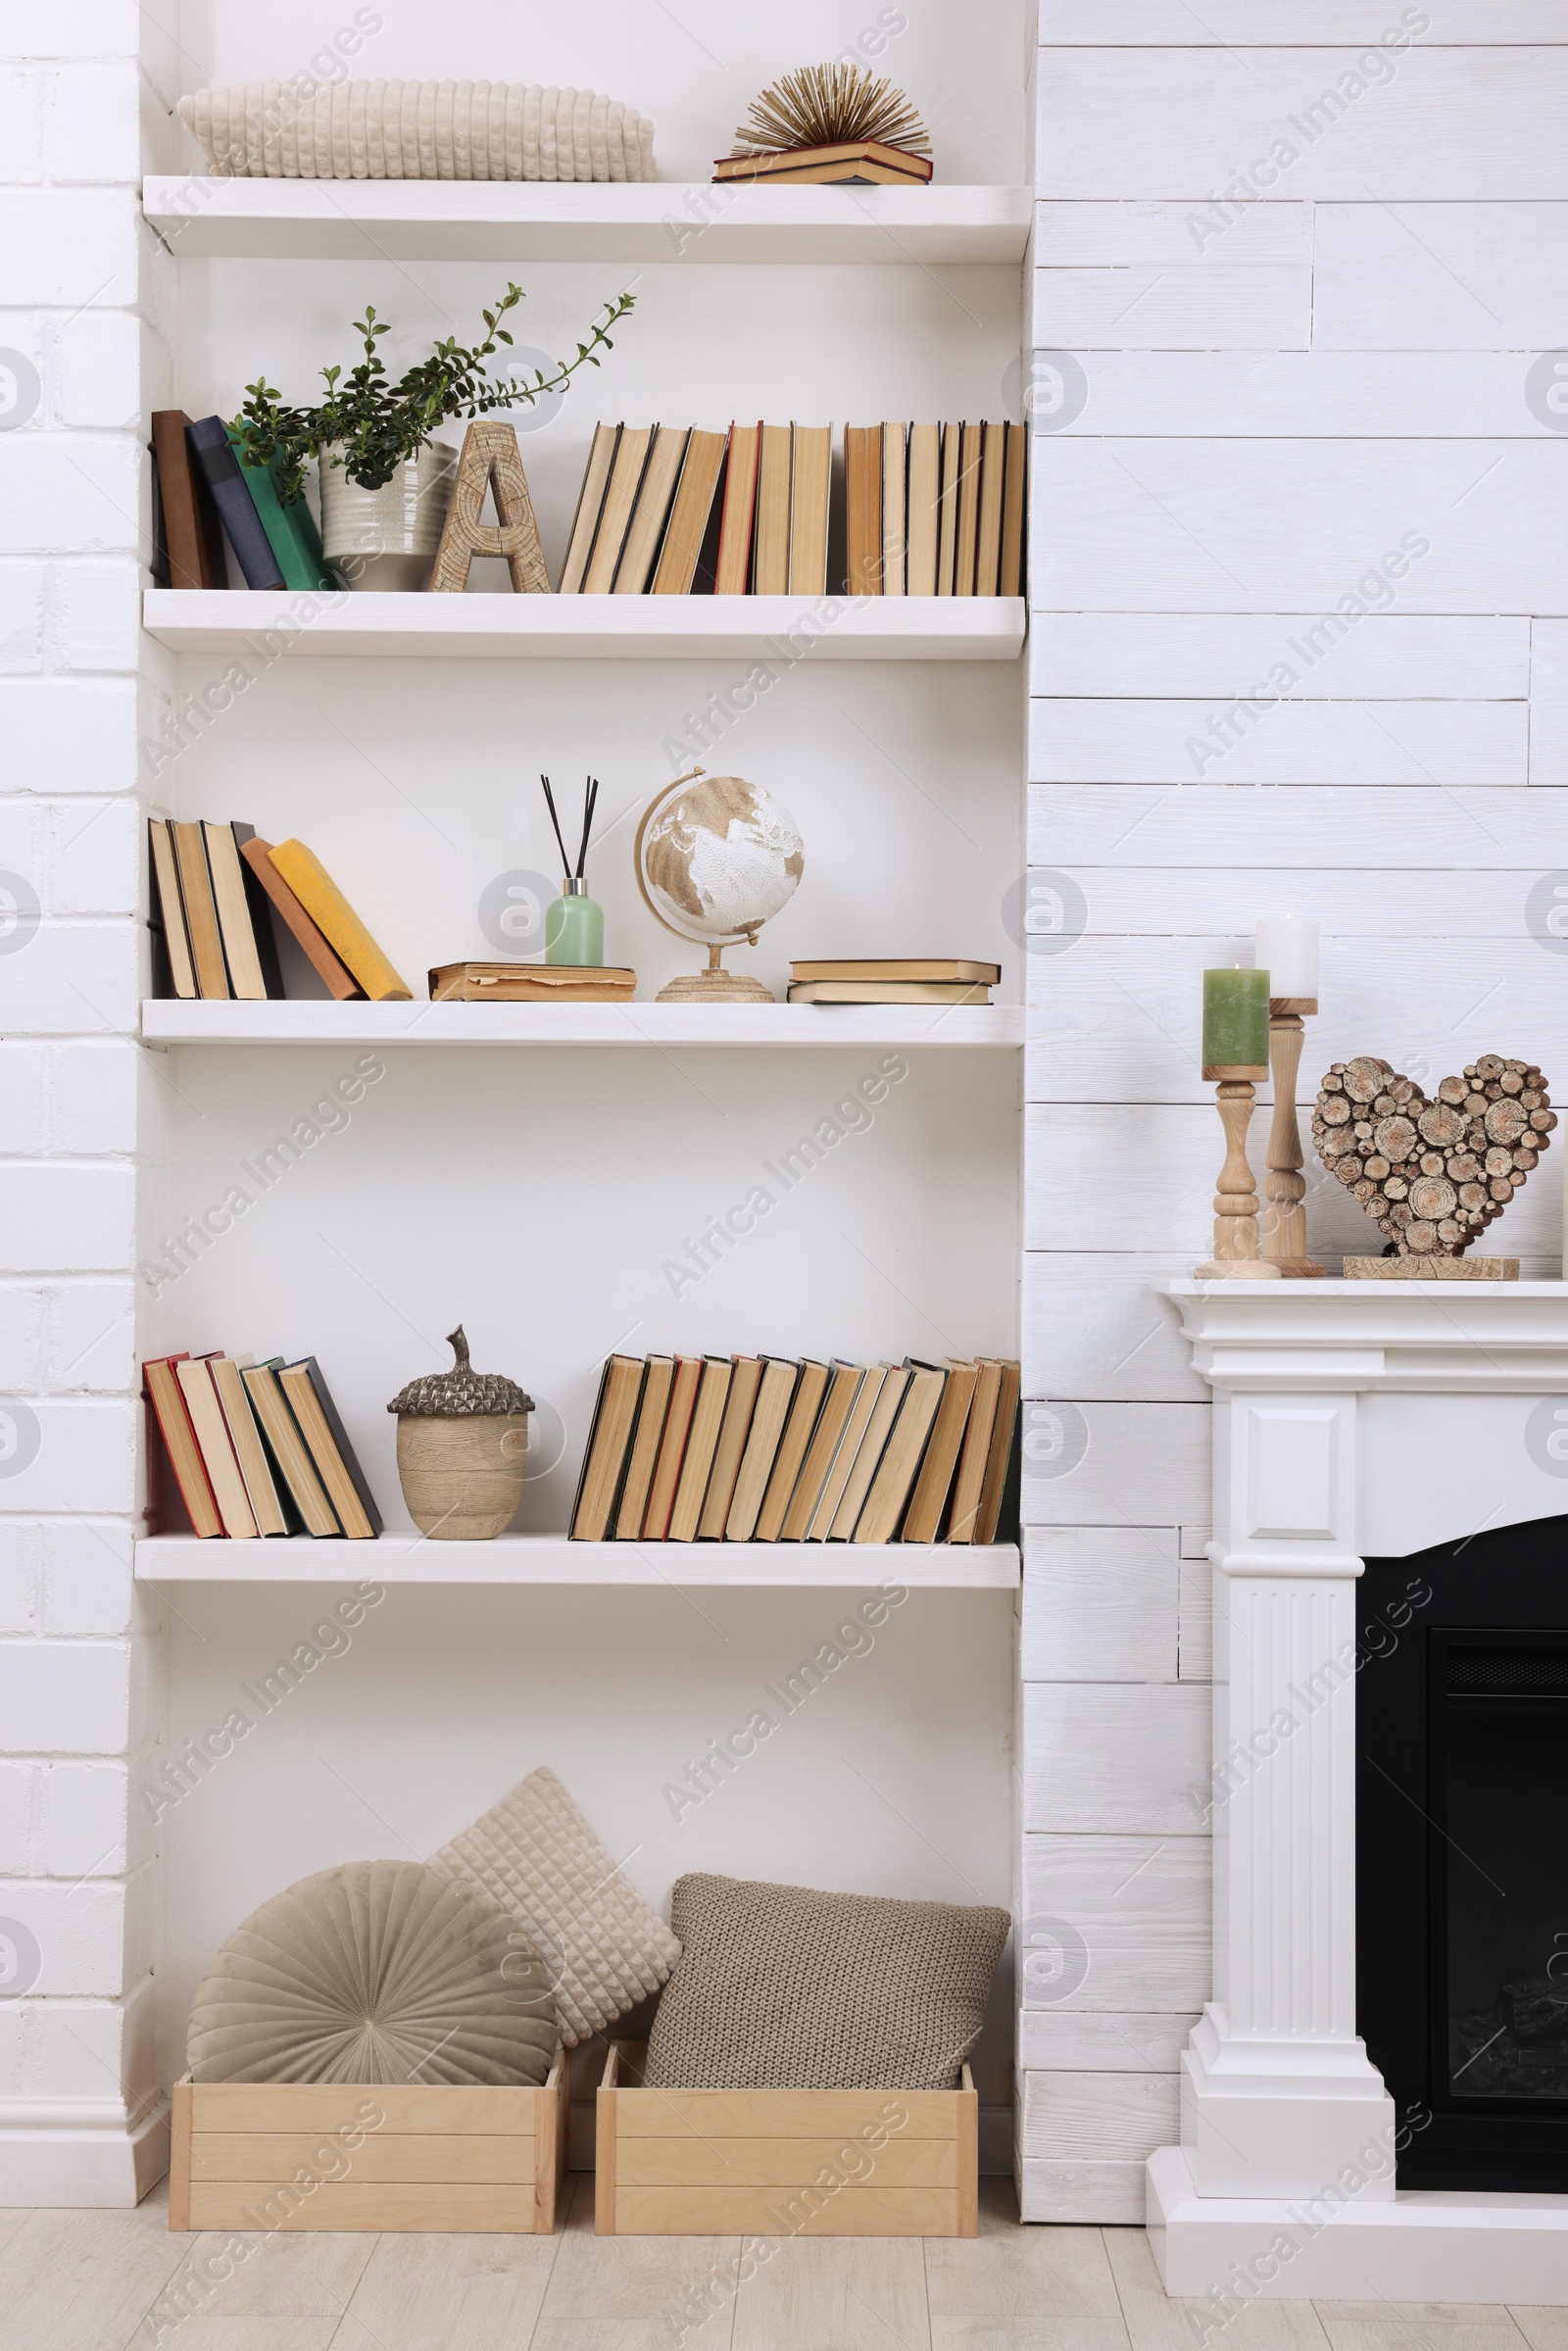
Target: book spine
<point>340,1438</point>
<point>260,913</point>
<point>290,529</point>
<point>209,444</point>
<point>191,527</point>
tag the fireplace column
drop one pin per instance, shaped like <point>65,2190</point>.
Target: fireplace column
<point>1278,2093</point>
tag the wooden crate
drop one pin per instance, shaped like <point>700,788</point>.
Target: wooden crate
<point>378,2155</point>
<point>783,2162</point>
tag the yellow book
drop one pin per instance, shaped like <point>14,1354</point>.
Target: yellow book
<point>335,918</point>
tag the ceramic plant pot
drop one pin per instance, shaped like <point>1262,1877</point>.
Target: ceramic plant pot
<point>462,1448</point>
<point>386,539</point>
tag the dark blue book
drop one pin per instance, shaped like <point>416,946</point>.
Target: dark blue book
<point>242,525</point>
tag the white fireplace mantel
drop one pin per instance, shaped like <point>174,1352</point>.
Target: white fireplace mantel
<point>1353,1420</point>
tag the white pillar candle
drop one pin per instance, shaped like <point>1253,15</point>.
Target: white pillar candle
<point>1285,946</point>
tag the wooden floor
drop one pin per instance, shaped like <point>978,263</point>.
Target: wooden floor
<point>118,2281</point>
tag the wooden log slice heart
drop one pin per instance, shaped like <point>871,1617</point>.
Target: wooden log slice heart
<point>1432,1174</point>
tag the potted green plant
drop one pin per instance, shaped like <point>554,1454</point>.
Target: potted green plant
<point>385,481</point>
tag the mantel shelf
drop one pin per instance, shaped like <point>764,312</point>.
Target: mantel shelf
<point>168,1020</point>
<point>664,221</point>
<point>628,628</point>
<point>552,1559</point>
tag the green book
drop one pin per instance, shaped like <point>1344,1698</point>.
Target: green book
<point>291,530</point>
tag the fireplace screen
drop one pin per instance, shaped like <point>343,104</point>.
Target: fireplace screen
<point>1499,1880</point>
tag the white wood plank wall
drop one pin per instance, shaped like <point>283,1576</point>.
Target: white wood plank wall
<point>1310,258</point>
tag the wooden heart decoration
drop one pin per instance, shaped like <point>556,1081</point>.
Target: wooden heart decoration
<point>1433,1175</point>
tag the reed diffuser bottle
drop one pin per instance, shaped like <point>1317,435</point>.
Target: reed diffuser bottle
<point>574,922</point>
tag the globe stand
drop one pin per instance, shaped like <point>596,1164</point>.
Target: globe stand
<point>714,985</point>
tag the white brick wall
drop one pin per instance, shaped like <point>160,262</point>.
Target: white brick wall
<point>75,1862</point>
<point>1267,409</point>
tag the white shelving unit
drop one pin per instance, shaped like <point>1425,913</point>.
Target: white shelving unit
<point>552,1559</point>
<point>566,1207</point>
<point>293,219</point>
<point>167,1021</point>
<point>636,629</point>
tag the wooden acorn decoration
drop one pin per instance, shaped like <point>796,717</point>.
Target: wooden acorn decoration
<point>462,1446</point>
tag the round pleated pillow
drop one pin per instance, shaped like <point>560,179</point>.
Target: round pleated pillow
<point>379,1971</point>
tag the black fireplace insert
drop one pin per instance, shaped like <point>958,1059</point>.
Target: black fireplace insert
<point>1462,1855</point>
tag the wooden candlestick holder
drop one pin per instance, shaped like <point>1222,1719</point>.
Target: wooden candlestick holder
<point>1237,1256</point>
<point>1284,1184</point>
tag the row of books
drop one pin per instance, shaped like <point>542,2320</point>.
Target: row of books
<point>892,980</point>
<point>662,505</point>
<point>205,489</point>
<point>935,510</point>
<point>254,1448</point>
<point>930,510</point>
<point>216,889</point>
<point>755,1448</point>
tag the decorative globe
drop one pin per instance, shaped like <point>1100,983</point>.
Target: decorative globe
<point>717,857</point>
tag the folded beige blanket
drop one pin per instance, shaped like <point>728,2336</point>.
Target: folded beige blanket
<point>417,131</point>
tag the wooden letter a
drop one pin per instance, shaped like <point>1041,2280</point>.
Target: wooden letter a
<point>491,457</point>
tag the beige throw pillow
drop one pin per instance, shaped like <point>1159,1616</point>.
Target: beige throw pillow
<point>781,1989</point>
<point>380,1971</point>
<point>537,1856</point>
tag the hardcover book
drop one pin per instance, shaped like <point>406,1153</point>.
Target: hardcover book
<point>192,532</point>
<point>311,1402</point>
<point>345,933</point>
<point>242,525</point>
<point>604,1459</point>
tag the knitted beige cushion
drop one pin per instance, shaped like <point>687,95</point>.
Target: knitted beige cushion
<point>306,129</point>
<point>536,1854</point>
<point>380,1971</point>
<point>781,1989</point>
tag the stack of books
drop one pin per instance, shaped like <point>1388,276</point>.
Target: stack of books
<point>205,489</point>
<point>215,890</point>
<point>935,510</point>
<point>761,1448</point>
<point>894,980</point>
<point>871,160</point>
<point>662,507</point>
<point>250,1448</point>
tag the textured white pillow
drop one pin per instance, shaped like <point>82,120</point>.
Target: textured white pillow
<point>417,131</point>
<point>379,1971</point>
<point>540,1860</point>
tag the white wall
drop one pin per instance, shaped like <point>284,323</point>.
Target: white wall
<point>85,357</point>
<point>1269,410</point>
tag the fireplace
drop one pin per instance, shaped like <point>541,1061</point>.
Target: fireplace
<point>1462,1844</point>
<point>1373,2103</point>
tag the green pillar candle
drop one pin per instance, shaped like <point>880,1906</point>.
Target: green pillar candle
<point>1235,1019</point>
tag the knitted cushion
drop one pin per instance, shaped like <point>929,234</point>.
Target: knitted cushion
<point>781,1989</point>
<point>380,1971</point>
<point>536,1854</point>
<point>306,129</point>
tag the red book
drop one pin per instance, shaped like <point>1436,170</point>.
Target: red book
<point>733,576</point>
<point>172,1447</point>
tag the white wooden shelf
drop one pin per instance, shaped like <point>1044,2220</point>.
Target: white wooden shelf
<point>419,219</point>
<point>172,1021</point>
<point>628,628</point>
<point>552,1559</point>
